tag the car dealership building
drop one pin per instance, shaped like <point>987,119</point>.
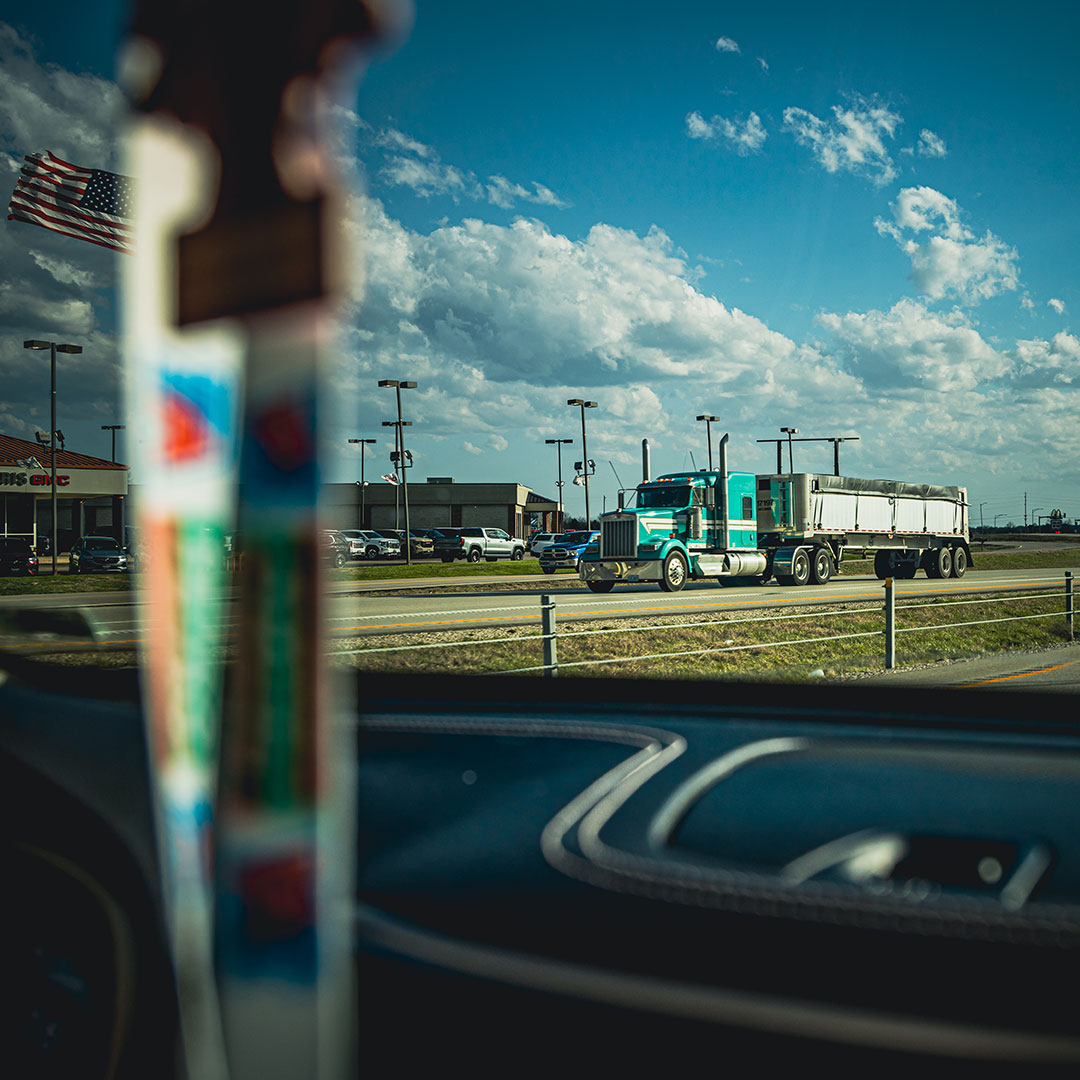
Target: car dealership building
<point>439,502</point>
<point>90,493</point>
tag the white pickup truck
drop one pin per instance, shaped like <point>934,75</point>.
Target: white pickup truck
<point>475,542</point>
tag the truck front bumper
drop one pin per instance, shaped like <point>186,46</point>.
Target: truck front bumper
<point>622,570</point>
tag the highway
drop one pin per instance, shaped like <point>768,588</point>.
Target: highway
<point>356,610</point>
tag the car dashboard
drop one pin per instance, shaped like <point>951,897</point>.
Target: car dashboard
<point>579,872</point>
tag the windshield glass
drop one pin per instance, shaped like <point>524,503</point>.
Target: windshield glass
<point>486,275</point>
<point>667,496</point>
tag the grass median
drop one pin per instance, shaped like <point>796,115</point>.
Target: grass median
<point>842,641</point>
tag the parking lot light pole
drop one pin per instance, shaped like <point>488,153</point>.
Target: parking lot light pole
<point>363,486</point>
<point>559,444</point>
<point>708,433</point>
<point>53,348</point>
<point>580,402</point>
<point>114,428</point>
<point>399,385</point>
<point>789,431</point>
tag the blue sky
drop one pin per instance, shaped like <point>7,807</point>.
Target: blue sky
<point>850,219</point>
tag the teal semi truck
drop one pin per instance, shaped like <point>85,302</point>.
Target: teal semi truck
<point>794,527</point>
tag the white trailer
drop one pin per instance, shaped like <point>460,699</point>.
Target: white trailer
<point>908,525</point>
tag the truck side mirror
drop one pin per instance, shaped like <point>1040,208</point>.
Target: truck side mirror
<point>710,497</point>
<point>622,500</point>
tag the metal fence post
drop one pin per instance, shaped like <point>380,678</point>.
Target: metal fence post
<point>890,624</point>
<point>547,630</point>
<point>1069,605</point>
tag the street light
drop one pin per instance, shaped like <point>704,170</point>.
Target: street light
<point>1034,512</point>
<point>114,428</point>
<point>363,486</point>
<point>399,385</point>
<point>584,451</point>
<point>398,458</point>
<point>708,433</point>
<point>53,348</point>
<point>982,523</point>
<point>559,444</point>
<point>789,431</point>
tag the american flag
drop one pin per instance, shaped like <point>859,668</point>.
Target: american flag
<point>89,204</point>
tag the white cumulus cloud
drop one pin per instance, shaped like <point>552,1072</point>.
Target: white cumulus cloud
<point>745,136</point>
<point>909,347</point>
<point>415,165</point>
<point>1050,363</point>
<point>1057,305</point>
<point>725,44</point>
<point>952,260</point>
<point>930,145</point>
<point>853,141</point>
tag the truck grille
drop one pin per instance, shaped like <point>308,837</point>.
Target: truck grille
<point>618,538</point>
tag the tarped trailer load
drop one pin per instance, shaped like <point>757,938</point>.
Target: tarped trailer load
<point>908,525</point>
<point>844,506</point>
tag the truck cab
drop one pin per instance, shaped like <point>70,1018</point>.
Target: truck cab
<point>681,526</point>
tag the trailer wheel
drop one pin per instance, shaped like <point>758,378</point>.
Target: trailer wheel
<point>601,586</point>
<point>940,564</point>
<point>800,567</point>
<point>673,576</point>
<point>959,562</point>
<point>823,566</point>
<point>883,565</point>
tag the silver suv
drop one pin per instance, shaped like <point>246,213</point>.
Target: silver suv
<point>366,544</point>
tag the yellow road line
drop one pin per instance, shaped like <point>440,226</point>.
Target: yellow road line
<point>644,612</point>
<point>1021,675</point>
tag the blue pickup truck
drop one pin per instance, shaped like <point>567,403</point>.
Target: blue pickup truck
<point>565,553</point>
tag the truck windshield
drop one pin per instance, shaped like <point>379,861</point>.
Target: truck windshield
<point>652,497</point>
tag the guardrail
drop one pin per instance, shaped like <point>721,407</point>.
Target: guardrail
<point>550,635</point>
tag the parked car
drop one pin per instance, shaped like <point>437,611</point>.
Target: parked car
<point>565,554</point>
<point>368,544</point>
<point>17,556</point>
<point>419,544</point>
<point>539,541</point>
<point>334,548</point>
<point>97,555</point>
<point>475,542</point>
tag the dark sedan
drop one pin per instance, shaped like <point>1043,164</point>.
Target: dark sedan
<point>17,556</point>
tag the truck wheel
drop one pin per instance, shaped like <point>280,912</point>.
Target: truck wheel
<point>883,565</point>
<point>959,562</point>
<point>447,558</point>
<point>601,586</point>
<point>800,568</point>
<point>548,569</point>
<point>823,566</point>
<point>673,577</point>
<point>517,554</point>
<point>371,553</point>
<point>474,555</point>
<point>940,565</point>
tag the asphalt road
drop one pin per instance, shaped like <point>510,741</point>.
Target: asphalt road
<point>358,610</point>
<point>371,613</point>
<point>1054,671</point>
